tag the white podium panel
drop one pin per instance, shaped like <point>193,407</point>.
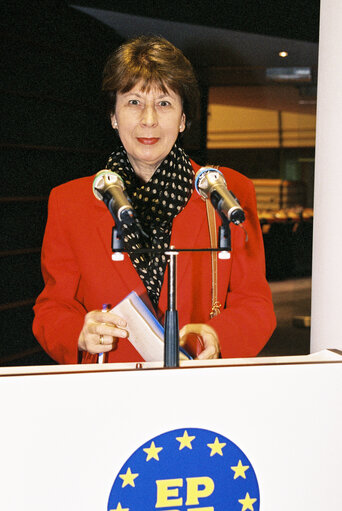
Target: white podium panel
<point>66,435</point>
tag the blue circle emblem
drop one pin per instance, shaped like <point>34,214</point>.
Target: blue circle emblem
<point>183,470</point>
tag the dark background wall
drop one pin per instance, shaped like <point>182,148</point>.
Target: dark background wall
<point>53,130</point>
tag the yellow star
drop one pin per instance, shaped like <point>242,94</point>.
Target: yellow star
<point>119,508</point>
<point>216,447</point>
<point>152,452</point>
<point>247,503</point>
<point>240,470</point>
<point>128,478</point>
<point>185,440</point>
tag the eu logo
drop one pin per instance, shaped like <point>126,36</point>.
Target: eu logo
<point>188,469</point>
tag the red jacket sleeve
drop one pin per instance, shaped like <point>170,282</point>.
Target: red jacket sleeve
<point>248,320</point>
<point>59,316</point>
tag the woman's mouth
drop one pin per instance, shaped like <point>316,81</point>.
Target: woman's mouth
<point>147,141</point>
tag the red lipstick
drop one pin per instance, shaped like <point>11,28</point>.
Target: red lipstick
<point>148,141</point>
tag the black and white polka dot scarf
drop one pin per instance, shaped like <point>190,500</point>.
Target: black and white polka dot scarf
<point>156,203</point>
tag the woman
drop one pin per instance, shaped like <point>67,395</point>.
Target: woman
<point>152,95</point>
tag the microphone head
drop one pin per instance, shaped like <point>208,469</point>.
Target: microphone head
<point>103,180</point>
<point>205,178</point>
<point>211,184</point>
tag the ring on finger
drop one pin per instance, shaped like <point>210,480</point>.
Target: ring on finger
<point>101,339</point>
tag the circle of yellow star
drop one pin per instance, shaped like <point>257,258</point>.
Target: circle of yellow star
<point>119,508</point>
<point>240,470</point>
<point>247,503</point>
<point>128,478</point>
<point>185,440</point>
<point>152,452</point>
<point>216,447</point>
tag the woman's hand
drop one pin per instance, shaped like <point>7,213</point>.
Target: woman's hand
<point>209,337</point>
<point>101,331</point>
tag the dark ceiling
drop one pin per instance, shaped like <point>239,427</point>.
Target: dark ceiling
<point>290,19</point>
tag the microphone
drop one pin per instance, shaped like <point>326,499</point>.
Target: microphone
<point>109,187</point>
<point>211,184</point>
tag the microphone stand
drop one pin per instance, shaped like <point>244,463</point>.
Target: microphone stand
<point>171,328</point>
<point>224,238</point>
<point>117,243</point>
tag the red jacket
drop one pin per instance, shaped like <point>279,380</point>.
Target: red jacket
<point>80,275</point>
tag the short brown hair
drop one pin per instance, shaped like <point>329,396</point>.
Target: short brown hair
<point>154,61</point>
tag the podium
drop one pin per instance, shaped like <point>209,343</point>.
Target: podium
<point>72,437</point>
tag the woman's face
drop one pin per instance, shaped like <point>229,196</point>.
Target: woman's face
<point>148,123</point>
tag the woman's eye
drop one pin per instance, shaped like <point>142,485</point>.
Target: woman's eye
<point>133,102</point>
<point>165,103</point>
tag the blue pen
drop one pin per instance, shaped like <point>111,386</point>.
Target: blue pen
<point>101,358</point>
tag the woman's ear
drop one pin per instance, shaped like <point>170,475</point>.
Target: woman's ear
<point>113,122</point>
<point>182,123</point>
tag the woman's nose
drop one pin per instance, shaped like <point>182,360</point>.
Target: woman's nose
<point>149,116</point>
